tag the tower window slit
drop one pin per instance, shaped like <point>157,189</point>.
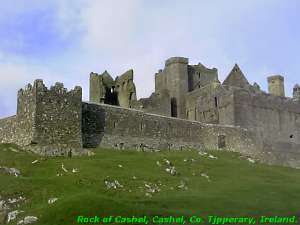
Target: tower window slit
<point>216,102</point>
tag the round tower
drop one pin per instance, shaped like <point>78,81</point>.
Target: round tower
<point>176,69</point>
<point>276,85</point>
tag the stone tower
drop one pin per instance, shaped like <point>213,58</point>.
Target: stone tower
<point>176,69</point>
<point>50,118</point>
<point>276,85</point>
<point>97,89</point>
<point>296,92</point>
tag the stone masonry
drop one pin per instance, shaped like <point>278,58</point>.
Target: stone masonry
<point>189,109</point>
<point>48,121</point>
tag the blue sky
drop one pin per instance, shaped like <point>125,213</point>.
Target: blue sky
<point>64,40</point>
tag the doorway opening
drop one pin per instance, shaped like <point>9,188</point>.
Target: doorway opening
<point>173,107</point>
<point>221,141</point>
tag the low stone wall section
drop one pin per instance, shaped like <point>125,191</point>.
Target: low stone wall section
<point>116,127</point>
<point>12,131</point>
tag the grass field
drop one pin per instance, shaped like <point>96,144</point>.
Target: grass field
<point>226,186</point>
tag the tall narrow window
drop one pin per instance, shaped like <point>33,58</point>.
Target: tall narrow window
<point>142,126</point>
<point>216,102</point>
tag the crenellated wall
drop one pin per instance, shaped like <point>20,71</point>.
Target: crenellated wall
<point>48,121</point>
<point>58,118</point>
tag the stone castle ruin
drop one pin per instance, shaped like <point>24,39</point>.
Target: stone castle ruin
<point>190,109</point>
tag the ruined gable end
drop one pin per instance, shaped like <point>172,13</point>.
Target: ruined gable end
<point>236,78</point>
<point>102,88</point>
<point>125,89</point>
<point>107,79</point>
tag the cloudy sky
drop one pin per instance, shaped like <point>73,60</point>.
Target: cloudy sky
<point>64,40</point>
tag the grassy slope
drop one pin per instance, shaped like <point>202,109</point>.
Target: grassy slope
<point>237,187</point>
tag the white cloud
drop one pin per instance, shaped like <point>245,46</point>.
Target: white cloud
<point>68,17</point>
<point>109,24</point>
<point>119,35</point>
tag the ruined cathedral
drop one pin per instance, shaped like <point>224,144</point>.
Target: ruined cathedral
<point>189,109</point>
<point>194,92</point>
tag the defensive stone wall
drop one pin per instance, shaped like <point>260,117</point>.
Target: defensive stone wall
<point>274,118</point>
<point>9,130</point>
<point>116,127</point>
<point>120,128</point>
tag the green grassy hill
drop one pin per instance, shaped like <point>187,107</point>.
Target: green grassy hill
<point>227,186</point>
